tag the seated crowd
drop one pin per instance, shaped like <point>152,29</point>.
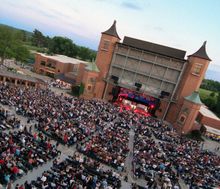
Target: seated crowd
<point>64,118</point>
<point>102,133</point>
<point>151,164</point>
<point>21,151</point>
<point>109,146</point>
<point>198,168</point>
<point>76,172</point>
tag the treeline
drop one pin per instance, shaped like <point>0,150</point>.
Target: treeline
<point>61,45</point>
<point>212,101</point>
<point>210,85</point>
<point>15,43</point>
<point>11,44</point>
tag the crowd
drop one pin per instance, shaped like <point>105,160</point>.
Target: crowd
<point>59,84</point>
<point>151,164</point>
<point>8,121</point>
<point>21,151</point>
<point>76,172</point>
<point>197,167</point>
<point>101,132</point>
<point>211,136</point>
<point>64,118</point>
<point>109,146</point>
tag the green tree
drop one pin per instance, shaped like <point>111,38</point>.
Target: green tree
<point>21,53</point>
<point>210,102</point>
<point>86,53</point>
<point>7,43</point>
<point>38,39</point>
<point>62,45</point>
<point>212,94</point>
<point>11,46</point>
<point>218,104</point>
<point>211,85</point>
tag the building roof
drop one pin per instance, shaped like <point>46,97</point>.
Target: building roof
<point>194,97</point>
<point>201,53</point>
<point>92,67</point>
<point>155,48</point>
<point>17,75</point>
<point>206,112</point>
<point>112,30</point>
<point>63,58</point>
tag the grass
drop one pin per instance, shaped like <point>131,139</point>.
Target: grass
<point>34,48</point>
<point>203,93</point>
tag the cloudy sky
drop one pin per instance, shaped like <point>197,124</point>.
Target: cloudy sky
<point>183,24</point>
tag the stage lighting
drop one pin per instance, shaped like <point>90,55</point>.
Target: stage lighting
<point>152,106</point>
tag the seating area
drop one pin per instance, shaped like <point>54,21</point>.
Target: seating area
<point>77,172</point>
<point>109,146</point>
<point>104,134</point>
<point>65,119</point>
<point>197,167</point>
<point>7,121</point>
<point>20,152</point>
<point>150,162</point>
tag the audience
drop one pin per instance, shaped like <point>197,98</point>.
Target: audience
<point>101,132</point>
<point>77,172</point>
<point>21,151</point>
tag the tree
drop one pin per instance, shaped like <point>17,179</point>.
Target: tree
<point>11,46</point>
<point>7,44</point>
<point>86,54</point>
<point>21,53</point>
<point>62,45</point>
<point>218,104</point>
<point>210,102</point>
<point>38,39</point>
<point>212,94</point>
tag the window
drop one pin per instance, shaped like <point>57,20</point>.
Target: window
<point>89,88</point>
<point>75,69</point>
<point>43,63</point>
<point>105,45</point>
<point>197,69</point>
<point>182,119</point>
<point>92,80</point>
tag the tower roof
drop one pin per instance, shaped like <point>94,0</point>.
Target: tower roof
<point>92,67</point>
<point>112,30</point>
<point>201,53</point>
<point>194,97</point>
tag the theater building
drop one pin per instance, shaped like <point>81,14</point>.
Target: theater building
<point>158,75</point>
<point>60,67</point>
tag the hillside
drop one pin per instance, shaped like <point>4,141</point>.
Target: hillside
<point>28,34</point>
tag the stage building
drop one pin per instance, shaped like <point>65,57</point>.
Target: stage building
<point>155,75</point>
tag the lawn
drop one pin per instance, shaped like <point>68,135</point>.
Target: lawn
<point>203,93</point>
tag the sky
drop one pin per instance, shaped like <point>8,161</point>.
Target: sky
<point>182,24</point>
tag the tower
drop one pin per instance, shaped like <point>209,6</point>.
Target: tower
<point>105,52</point>
<point>194,73</point>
